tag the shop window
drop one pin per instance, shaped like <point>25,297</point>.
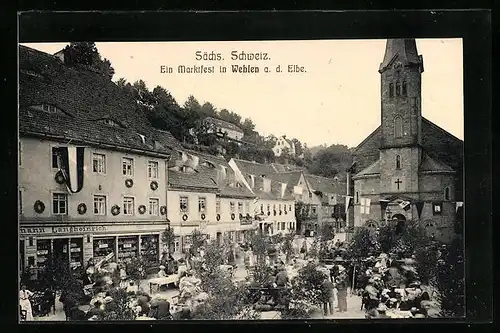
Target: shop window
<point>99,163</point>
<point>60,204</point>
<point>42,252</point>
<point>127,248</point>
<point>183,201</point>
<point>437,208</point>
<point>231,207</point>
<point>447,193</point>
<point>128,166</point>
<point>217,207</point>
<point>99,205</point>
<point>201,205</point>
<point>391,89</point>
<point>398,162</point>
<point>154,206</point>
<point>398,127</point>
<point>153,170</point>
<point>76,252</point>
<point>128,206</point>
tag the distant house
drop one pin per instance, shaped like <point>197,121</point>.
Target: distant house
<point>221,127</point>
<point>284,144</point>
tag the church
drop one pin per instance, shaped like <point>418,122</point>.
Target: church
<point>408,168</point>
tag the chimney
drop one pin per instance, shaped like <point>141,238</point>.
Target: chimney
<point>252,180</point>
<point>283,189</point>
<point>193,162</point>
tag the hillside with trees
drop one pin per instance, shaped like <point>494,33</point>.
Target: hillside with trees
<point>186,124</point>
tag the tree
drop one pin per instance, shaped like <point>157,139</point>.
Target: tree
<point>248,126</point>
<point>208,109</point>
<point>298,147</point>
<point>259,243</point>
<point>118,308</point>
<point>361,245</point>
<point>86,53</point>
<point>288,246</point>
<point>168,238</point>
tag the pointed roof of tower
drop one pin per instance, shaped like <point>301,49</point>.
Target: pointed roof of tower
<point>404,49</point>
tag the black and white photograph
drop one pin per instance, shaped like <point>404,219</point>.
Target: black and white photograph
<point>241,180</point>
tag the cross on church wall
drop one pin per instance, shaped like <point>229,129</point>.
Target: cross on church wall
<point>397,182</point>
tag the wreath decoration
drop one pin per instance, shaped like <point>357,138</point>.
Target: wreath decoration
<point>59,177</point>
<point>268,213</point>
<point>274,213</point>
<point>203,216</point>
<point>241,216</point>
<point>286,212</point>
<point>218,217</point>
<point>232,216</point>
<point>142,209</point>
<point>184,217</point>
<point>115,210</point>
<point>82,208</point>
<point>280,212</point>
<point>249,216</point>
<point>163,210</point>
<point>129,182</point>
<point>39,206</point>
<point>154,185</point>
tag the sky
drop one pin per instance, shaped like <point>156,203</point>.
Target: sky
<point>335,101</point>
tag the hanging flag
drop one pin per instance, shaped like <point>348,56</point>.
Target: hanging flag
<point>420,206</point>
<point>348,202</point>
<point>405,205</point>
<point>361,205</point>
<point>255,205</point>
<point>368,202</point>
<point>458,204</point>
<point>71,163</point>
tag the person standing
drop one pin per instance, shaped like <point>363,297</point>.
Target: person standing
<point>342,284</point>
<point>328,295</point>
<point>25,303</point>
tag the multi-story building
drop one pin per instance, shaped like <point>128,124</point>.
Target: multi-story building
<point>221,127</point>
<point>204,194</point>
<point>284,145</point>
<point>92,173</point>
<point>275,204</point>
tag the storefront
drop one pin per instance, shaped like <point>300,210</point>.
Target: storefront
<point>77,244</point>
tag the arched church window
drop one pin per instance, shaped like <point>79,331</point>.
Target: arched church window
<point>398,89</point>
<point>404,92</point>
<point>398,127</point>
<point>391,89</point>
<point>398,162</point>
<point>447,193</point>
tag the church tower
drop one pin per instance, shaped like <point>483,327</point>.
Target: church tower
<point>401,116</point>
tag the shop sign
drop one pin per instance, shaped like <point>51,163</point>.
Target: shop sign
<point>62,230</point>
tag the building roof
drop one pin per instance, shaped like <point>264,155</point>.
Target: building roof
<point>216,160</point>
<point>433,165</point>
<point>254,168</point>
<point>405,50</point>
<point>84,93</point>
<point>83,98</point>
<point>372,169</point>
<point>65,127</point>
<point>286,167</point>
<point>326,185</point>
<point>234,191</point>
<point>223,124</point>
<point>202,178</point>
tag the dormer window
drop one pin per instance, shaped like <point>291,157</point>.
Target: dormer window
<point>48,108</point>
<point>238,184</point>
<point>208,164</point>
<point>109,122</point>
<point>183,168</point>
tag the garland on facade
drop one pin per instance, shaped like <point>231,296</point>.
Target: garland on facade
<point>142,209</point>
<point>39,206</point>
<point>115,210</point>
<point>82,208</point>
<point>129,182</point>
<point>154,185</point>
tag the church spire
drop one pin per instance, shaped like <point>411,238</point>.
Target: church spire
<point>403,51</point>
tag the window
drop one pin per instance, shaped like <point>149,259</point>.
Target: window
<point>247,207</point>
<point>357,197</point>
<point>99,163</point>
<point>391,89</point>
<point>404,92</point>
<point>447,193</point>
<point>289,208</point>
<point>177,244</point>
<point>398,89</point>
<point>217,207</point>
<point>154,207</point>
<point>398,127</point>
<point>437,208</point>
<point>201,205</point>
<point>231,206</point>
<point>279,207</point>
<point>313,209</point>
<point>153,170</point>
<point>268,207</point>
<point>128,166</point>
<point>183,204</point>
<point>398,162</point>
<point>60,204</point>
<point>20,201</point>
<point>55,157</point>
<point>283,227</point>
<point>128,206</point>
<point>99,205</point>
<point>20,149</point>
<point>261,207</point>
<point>274,206</point>
<point>240,207</point>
